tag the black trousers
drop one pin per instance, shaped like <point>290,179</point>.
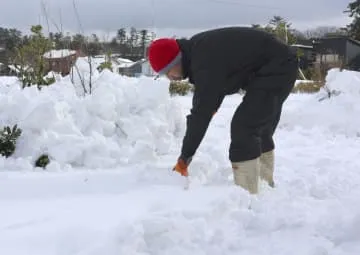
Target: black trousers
<point>256,118</point>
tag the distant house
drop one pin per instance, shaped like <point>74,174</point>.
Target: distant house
<point>147,69</point>
<point>124,66</point>
<point>306,53</point>
<point>328,52</point>
<point>120,64</point>
<point>337,50</point>
<point>136,69</point>
<point>60,61</point>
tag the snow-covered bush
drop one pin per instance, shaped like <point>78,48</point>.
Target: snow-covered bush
<point>8,138</point>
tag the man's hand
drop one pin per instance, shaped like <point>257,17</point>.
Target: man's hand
<point>182,166</point>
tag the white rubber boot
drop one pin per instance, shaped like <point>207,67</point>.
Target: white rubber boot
<point>267,167</point>
<point>246,174</point>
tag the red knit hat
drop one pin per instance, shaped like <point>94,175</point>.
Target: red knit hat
<point>164,54</point>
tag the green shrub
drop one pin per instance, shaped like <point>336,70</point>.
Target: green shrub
<point>42,161</point>
<point>8,139</point>
<point>105,65</point>
<point>180,88</point>
<point>30,59</point>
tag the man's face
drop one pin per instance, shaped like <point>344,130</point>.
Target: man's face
<point>175,73</point>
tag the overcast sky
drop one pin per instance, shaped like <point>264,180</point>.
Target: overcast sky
<point>170,17</point>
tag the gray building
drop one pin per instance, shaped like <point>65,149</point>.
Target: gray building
<point>330,51</point>
<point>337,50</point>
<point>136,69</point>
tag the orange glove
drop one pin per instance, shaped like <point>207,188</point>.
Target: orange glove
<point>182,166</point>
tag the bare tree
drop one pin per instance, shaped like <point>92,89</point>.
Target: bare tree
<point>323,31</point>
<point>86,84</point>
<point>89,58</point>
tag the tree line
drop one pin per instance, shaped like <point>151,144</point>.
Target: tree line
<point>282,28</point>
<point>284,31</point>
<point>129,43</point>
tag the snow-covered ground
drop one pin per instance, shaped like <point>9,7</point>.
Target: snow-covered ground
<point>110,190</point>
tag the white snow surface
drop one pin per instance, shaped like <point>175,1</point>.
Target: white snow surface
<point>107,193</point>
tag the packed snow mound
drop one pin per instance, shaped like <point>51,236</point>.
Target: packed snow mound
<point>338,113</point>
<point>82,75</point>
<point>125,120</point>
<point>345,82</point>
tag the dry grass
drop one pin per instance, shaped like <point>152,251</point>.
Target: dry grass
<point>307,87</point>
<point>183,88</point>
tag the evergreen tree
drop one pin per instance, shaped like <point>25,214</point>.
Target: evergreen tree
<point>121,36</point>
<point>30,56</point>
<point>144,38</point>
<point>59,41</point>
<point>282,29</point>
<point>78,42</point>
<point>353,9</point>
<point>10,38</point>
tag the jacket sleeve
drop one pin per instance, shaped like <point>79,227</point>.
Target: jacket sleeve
<point>206,100</point>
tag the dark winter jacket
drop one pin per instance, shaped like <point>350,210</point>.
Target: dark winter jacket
<point>219,62</point>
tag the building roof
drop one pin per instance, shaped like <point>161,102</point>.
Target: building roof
<point>354,41</point>
<point>302,46</point>
<point>59,53</point>
<point>337,37</point>
<point>126,65</point>
<point>307,42</point>
<point>124,60</point>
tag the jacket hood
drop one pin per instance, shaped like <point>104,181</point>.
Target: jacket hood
<point>185,46</point>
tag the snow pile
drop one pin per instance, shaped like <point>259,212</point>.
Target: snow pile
<point>346,82</point>
<point>338,113</point>
<point>124,120</point>
<point>82,75</point>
